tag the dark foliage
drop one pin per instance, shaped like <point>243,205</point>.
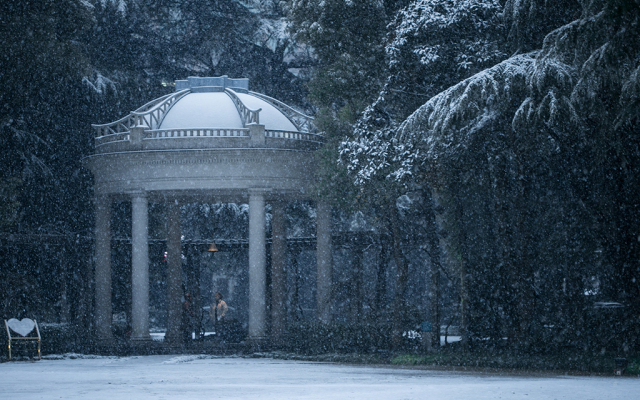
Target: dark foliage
<point>531,161</point>
<point>318,338</point>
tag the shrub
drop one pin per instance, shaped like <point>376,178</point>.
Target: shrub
<point>56,338</point>
<point>319,338</point>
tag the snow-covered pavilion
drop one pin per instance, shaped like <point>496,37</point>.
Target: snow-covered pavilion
<point>212,140</point>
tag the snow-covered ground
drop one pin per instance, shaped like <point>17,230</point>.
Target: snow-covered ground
<point>205,377</point>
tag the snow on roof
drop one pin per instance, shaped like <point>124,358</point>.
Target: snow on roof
<point>203,110</point>
<point>209,106</point>
<point>270,117</point>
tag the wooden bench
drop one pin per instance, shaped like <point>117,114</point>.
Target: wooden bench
<point>25,332</point>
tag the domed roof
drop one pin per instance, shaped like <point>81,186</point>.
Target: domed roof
<point>217,110</point>
<point>210,104</point>
<point>202,110</point>
<point>211,135</point>
<point>209,108</point>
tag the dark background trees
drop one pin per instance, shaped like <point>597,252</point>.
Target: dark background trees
<point>521,158</point>
<point>512,126</point>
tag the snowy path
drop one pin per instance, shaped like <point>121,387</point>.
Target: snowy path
<point>191,377</point>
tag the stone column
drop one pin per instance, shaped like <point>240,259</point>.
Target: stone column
<point>257,265</point>
<point>139,267</point>
<point>174,275</point>
<point>278,272</point>
<point>103,310</point>
<point>324,263</point>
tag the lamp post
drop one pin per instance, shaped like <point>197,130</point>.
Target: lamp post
<point>212,250</point>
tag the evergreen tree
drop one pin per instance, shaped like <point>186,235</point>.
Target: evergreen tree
<point>529,161</point>
<point>42,68</point>
<point>431,45</point>
<point>348,39</point>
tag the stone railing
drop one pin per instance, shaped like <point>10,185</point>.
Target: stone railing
<point>153,115</point>
<point>114,128</point>
<point>115,137</point>
<point>311,137</point>
<point>159,134</point>
<point>302,122</point>
<point>154,102</point>
<point>247,115</point>
<point>195,132</point>
<point>149,115</point>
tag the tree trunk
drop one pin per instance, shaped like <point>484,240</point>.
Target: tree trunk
<point>525,287</point>
<point>399,305</point>
<point>381,281</point>
<point>433,250</point>
<point>357,294</point>
<point>464,277</point>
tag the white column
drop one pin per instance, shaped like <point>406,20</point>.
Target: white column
<point>324,262</point>
<point>103,312</point>
<point>257,265</point>
<point>174,274</point>
<point>139,267</point>
<point>278,272</point>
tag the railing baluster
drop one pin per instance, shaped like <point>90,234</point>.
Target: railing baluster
<point>107,134</point>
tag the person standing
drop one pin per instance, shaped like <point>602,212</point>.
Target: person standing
<point>218,311</point>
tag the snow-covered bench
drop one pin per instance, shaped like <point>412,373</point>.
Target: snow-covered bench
<point>25,331</point>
